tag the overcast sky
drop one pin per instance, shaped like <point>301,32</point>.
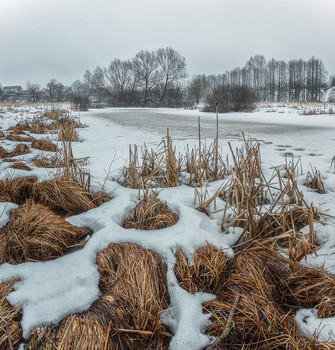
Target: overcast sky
<point>44,39</point>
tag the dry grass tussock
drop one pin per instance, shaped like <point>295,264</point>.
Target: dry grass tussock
<point>273,210</point>
<point>48,161</point>
<point>126,316</point>
<point>151,214</point>
<point>44,145</point>
<point>206,271</point>
<point>159,168</point>
<point>19,138</point>
<point>314,181</point>
<point>163,168</point>
<point>20,149</point>
<point>35,233</point>
<point>62,195</point>
<point>205,163</point>
<point>65,196</point>
<point>257,292</point>
<point>10,326</point>
<point>17,190</point>
<point>20,166</point>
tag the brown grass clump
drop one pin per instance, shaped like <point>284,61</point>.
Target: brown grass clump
<point>44,145</point>
<point>64,196</point>
<point>35,233</point>
<point>18,138</point>
<point>258,321</point>
<point>2,134</point>
<point>151,214</point>
<point>21,148</point>
<point>207,271</point>
<point>126,316</point>
<point>17,190</point>
<point>160,168</point>
<point>257,294</point>
<point>308,287</point>
<point>3,153</point>
<point>20,166</point>
<point>10,318</point>
<point>54,114</point>
<point>48,161</point>
<point>314,181</point>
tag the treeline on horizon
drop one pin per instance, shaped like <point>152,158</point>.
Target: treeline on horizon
<point>159,79</point>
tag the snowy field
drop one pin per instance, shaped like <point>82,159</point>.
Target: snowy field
<point>49,291</point>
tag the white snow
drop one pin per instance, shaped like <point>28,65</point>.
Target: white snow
<point>49,291</point>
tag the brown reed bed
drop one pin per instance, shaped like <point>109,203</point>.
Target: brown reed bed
<point>35,233</point>
<point>10,325</point>
<point>258,292</point>
<point>3,153</point>
<point>2,134</point>
<point>159,168</point>
<point>126,316</point>
<point>20,149</point>
<point>206,271</point>
<point>48,161</point>
<point>65,196</point>
<point>19,138</point>
<point>150,214</point>
<point>17,190</point>
<point>20,166</point>
<point>44,145</point>
<point>313,180</point>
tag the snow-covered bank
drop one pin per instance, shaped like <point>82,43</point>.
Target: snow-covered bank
<point>50,290</point>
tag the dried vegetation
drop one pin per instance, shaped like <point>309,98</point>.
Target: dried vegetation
<point>10,325</point>
<point>257,292</point>
<point>126,316</point>
<point>35,233</point>
<point>151,214</point>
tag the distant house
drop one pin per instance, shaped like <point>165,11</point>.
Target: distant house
<point>12,93</point>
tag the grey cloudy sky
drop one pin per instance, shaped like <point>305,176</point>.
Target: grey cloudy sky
<point>44,39</point>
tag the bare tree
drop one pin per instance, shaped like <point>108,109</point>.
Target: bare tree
<point>197,87</point>
<point>146,70</point>
<point>33,92</point>
<point>173,67</point>
<point>122,79</point>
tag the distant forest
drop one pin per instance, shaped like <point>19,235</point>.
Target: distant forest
<point>160,79</point>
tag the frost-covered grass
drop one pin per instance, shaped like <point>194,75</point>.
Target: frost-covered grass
<point>48,291</point>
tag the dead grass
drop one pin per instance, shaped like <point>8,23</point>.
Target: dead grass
<point>314,181</point>
<point>151,214</point>
<point>64,196</point>
<point>204,272</point>
<point>258,292</point>
<point>160,168</point>
<point>126,316</point>
<point>17,190</point>
<point>20,166</point>
<point>35,233</point>
<point>10,317</point>
<point>48,161</point>
<point>18,138</point>
<point>3,153</point>
<point>44,145</point>
<point>20,149</point>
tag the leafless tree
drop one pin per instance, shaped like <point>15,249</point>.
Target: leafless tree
<point>33,92</point>
<point>146,70</point>
<point>122,79</point>
<point>173,66</point>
